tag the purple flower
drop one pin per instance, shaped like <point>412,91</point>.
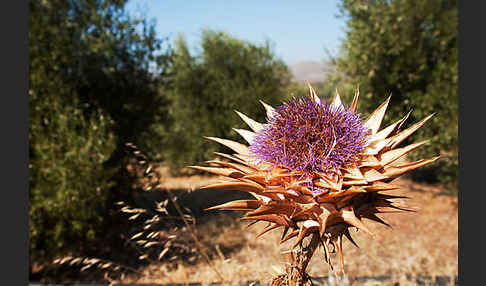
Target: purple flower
<point>310,137</point>
<point>318,161</point>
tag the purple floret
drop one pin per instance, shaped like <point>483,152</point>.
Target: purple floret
<point>310,137</point>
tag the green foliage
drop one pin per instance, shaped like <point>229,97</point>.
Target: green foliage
<point>409,49</point>
<point>94,76</point>
<point>68,182</point>
<point>227,75</point>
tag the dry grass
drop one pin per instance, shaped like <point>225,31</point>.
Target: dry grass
<point>422,243</point>
<point>419,244</point>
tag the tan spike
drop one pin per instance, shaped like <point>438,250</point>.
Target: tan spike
<point>239,186</point>
<point>284,232</point>
<point>306,209</point>
<point>368,161</point>
<point>384,133</point>
<point>291,193</point>
<point>248,160</point>
<point>235,146</point>
<point>384,210</point>
<point>270,110</point>
<point>348,216</point>
<point>381,186</point>
<point>354,182</point>
<point>353,173</point>
<point>306,227</point>
<point>300,237</point>
<point>404,208</point>
<point>347,192</point>
<point>327,210</point>
<point>345,200</point>
<point>375,147</point>
<point>372,175</point>
<point>326,182</point>
<point>267,229</point>
<point>397,139</point>
<point>354,104</point>
<point>266,199</point>
<point>303,190</point>
<point>348,235</point>
<point>273,208</point>
<point>227,172</point>
<point>273,172</point>
<point>327,258</point>
<point>336,101</point>
<point>250,224</point>
<point>246,134</point>
<point>280,196</point>
<point>390,197</point>
<point>374,121</point>
<point>242,179</point>
<point>402,121</point>
<point>328,197</point>
<point>339,248</point>
<point>231,157</point>
<point>313,94</point>
<point>241,205</point>
<point>377,219</point>
<point>394,171</point>
<point>270,218</point>
<point>386,203</point>
<point>254,125</point>
<point>289,235</point>
<point>322,222</point>
<point>394,154</point>
<point>259,178</point>
<point>310,224</point>
<point>242,168</point>
<point>279,189</point>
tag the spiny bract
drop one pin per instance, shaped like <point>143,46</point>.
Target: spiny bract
<point>316,168</point>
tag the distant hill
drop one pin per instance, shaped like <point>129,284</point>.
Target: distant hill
<point>312,71</point>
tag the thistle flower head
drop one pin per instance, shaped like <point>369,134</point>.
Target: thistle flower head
<point>308,136</point>
<point>309,145</point>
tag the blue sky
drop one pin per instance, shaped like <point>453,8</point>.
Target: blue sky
<point>298,30</point>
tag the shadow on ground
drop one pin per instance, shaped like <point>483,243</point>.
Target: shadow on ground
<point>116,247</point>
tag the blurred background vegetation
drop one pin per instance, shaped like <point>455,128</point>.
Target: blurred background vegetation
<point>99,78</point>
<point>407,49</point>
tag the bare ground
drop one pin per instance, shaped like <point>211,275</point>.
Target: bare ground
<point>424,243</point>
<point>421,243</point>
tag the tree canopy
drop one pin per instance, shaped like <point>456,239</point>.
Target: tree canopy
<point>94,78</point>
<point>226,75</point>
<point>407,49</point>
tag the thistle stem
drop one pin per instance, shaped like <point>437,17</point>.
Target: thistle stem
<point>307,252</point>
<point>295,274</point>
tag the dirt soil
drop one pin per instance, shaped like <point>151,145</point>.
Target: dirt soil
<point>424,243</point>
